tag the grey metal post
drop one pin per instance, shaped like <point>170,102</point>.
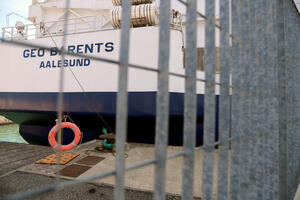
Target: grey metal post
<point>282,86</point>
<point>275,126</point>
<point>3,33</point>
<point>12,33</point>
<point>292,72</point>
<point>236,102</point>
<point>264,151</point>
<point>209,99</point>
<point>254,84</point>
<point>261,106</point>
<point>162,101</point>
<point>224,102</point>
<point>271,114</point>
<point>270,171</point>
<point>245,99</point>
<point>267,135</point>
<point>190,101</point>
<point>60,96</point>
<point>122,101</point>
<point>26,32</point>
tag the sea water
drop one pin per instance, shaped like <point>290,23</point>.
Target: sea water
<point>10,133</point>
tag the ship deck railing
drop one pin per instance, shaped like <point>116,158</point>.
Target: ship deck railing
<point>55,28</point>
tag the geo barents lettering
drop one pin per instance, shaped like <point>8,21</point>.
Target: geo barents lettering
<point>79,49</point>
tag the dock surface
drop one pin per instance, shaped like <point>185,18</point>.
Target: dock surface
<point>4,121</point>
<point>16,155</point>
<point>19,172</point>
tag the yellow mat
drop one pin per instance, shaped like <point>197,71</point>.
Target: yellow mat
<point>64,158</point>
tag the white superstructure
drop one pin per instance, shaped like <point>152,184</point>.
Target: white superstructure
<point>92,29</point>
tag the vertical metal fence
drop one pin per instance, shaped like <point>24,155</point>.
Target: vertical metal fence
<point>257,154</point>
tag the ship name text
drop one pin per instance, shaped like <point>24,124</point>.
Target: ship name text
<point>76,49</point>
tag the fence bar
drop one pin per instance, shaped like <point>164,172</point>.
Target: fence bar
<point>271,121</point>
<point>261,101</point>
<point>209,100</point>
<point>275,99</point>
<point>122,101</point>
<point>245,100</point>
<point>3,33</point>
<point>235,99</point>
<point>254,76</point>
<point>224,102</point>
<point>190,102</point>
<point>293,60</point>
<point>292,29</point>
<point>273,112</point>
<point>60,100</point>
<point>282,94</point>
<point>265,104</point>
<point>162,101</point>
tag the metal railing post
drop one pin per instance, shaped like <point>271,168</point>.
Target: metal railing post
<point>254,100</point>
<point>162,101</point>
<point>12,32</point>
<point>26,32</point>
<point>122,101</point>
<point>190,102</point>
<point>3,32</point>
<point>244,126</point>
<point>209,100</point>
<point>236,101</point>
<point>224,110</point>
<point>261,102</point>
<point>282,96</point>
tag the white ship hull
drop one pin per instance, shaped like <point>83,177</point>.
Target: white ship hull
<point>29,84</point>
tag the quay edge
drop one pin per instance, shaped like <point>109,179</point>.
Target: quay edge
<point>4,121</point>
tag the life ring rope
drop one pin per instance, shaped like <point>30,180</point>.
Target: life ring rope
<point>73,144</point>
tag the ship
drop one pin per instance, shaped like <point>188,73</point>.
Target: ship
<point>29,84</point>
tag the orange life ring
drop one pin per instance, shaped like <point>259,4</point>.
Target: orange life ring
<point>74,143</point>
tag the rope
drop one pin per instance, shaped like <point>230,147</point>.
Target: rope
<point>67,116</point>
<point>83,90</point>
<point>70,118</point>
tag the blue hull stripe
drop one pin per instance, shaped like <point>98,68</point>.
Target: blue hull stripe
<point>36,114</point>
<point>140,104</point>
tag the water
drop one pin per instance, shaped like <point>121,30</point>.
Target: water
<point>10,133</point>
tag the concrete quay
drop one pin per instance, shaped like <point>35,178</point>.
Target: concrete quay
<point>4,121</point>
<point>19,173</point>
